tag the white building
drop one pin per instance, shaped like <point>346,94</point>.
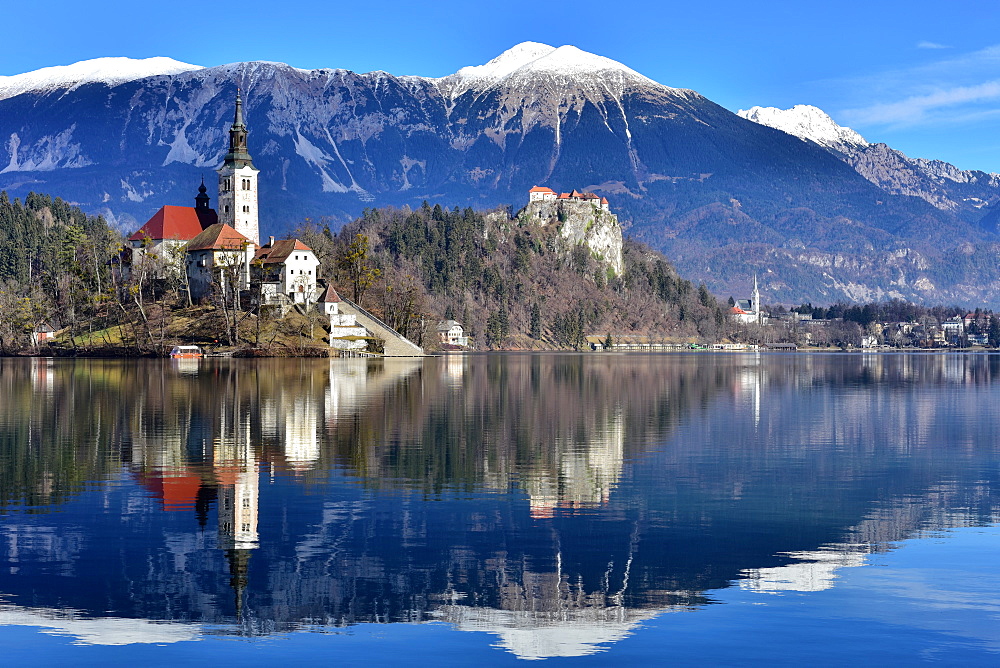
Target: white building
<point>748,310</point>
<point>220,258</point>
<point>541,194</point>
<point>345,332</point>
<point>286,269</point>
<point>451,333</point>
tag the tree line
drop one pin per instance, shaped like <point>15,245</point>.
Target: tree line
<point>506,282</point>
<point>55,267</point>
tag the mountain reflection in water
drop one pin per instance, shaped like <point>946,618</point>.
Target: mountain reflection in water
<point>554,500</point>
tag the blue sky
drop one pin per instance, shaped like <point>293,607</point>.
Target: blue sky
<point>923,77</point>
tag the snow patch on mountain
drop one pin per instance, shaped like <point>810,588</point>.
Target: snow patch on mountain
<point>507,62</point>
<point>48,153</point>
<point>111,71</point>
<point>529,62</point>
<point>805,122</point>
<point>889,169</point>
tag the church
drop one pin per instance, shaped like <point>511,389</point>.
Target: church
<point>748,311</point>
<point>217,248</point>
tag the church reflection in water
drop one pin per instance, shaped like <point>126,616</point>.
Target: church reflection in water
<point>554,501</point>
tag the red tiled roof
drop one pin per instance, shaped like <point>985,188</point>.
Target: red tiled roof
<point>563,195</point>
<point>219,237</point>
<point>175,222</point>
<point>329,296</point>
<point>604,200</point>
<point>280,251</point>
<point>737,309</point>
<point>541,189</point>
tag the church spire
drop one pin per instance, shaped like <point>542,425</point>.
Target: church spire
<point>238,119</point>
<point>201,199</point>
<point>755,296</point>
<point>238,181</point>
<point>238,155</point>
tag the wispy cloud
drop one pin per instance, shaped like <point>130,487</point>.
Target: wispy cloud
<point>916,108</point>
<point>946,91</point>
<point>931,45</point>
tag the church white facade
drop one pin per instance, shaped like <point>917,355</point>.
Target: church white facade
<point>748,311</point>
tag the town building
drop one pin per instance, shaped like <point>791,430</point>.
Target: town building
<point>451,333</point>
<point>160,242</point>
<point>285,270</point>
<point>219,256</point>
<point>748,311</point>
<point>345,332</point>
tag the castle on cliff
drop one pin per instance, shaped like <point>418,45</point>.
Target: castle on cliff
<point>580,218</point>
<point>543,194</point>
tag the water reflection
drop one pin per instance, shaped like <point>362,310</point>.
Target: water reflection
<point>556,501</point>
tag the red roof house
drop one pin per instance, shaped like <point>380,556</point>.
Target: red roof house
<point>218,237</point>
<point>181,223</point>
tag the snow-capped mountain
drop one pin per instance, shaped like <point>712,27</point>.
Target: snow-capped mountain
<point>530,63</point>
<point>722,196</point>
<point>941,184</point>
<point>806,122</point>
<point>109,71</point>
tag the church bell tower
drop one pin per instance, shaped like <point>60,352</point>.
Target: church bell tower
<point>238,182</point>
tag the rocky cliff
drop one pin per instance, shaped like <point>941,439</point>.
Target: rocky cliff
<point>580,223</point>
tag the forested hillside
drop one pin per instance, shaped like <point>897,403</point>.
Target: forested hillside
<point>54,267</point>
<point>512,284</point>
<point>505,281</point>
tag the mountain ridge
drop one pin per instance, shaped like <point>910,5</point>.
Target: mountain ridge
<point>724,197</point>
<point>108,70</point>
<point>886,167</point>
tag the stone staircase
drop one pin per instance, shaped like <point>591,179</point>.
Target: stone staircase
<point>396,345</point>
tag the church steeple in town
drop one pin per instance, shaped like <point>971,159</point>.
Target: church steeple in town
<point>201,199</point>
<point>755,296</point>
<point>238,156</point>
<point>238,181</point>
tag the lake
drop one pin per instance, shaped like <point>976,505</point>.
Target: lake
<point>593,508</point>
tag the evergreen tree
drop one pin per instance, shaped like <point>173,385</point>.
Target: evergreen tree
<point>535,327</point>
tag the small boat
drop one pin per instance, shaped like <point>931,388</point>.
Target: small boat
<point>186,351</point>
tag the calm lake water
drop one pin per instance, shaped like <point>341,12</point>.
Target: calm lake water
<point>685,509</point>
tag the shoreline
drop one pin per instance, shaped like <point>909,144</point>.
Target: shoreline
<point>333,353</point>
